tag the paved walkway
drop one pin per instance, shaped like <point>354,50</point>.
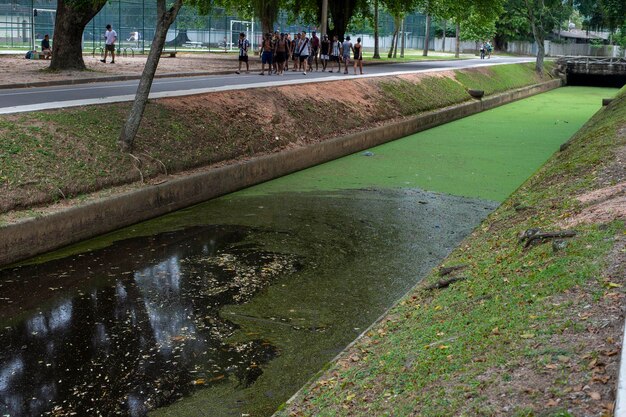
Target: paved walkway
<point>21,100</point>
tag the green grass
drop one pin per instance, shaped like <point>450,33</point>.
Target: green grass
<point>440,353</point>
<point>52,155</point>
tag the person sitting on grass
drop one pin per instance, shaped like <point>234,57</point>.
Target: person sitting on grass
<point>45,47</point>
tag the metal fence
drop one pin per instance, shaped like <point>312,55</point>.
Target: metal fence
<point>23,23</point>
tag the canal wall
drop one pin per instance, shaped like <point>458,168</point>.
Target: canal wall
<point>33,236</point>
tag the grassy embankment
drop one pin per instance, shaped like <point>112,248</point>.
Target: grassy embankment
<point>52,155</point>
<point>529,332</point>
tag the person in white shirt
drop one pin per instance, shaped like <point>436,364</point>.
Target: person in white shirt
<point>111,37</point>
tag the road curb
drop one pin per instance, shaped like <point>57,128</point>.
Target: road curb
<point>69,82</point>
<point>56,83</point>
<point>34,236</point>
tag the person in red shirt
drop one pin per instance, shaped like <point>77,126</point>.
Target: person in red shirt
<point>315,49</point>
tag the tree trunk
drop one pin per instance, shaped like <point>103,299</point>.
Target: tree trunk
<point>376,43</point>
<point>341,12</point>
<point>324,20</point>
<point>70,22</point>
<point>164,20</point>
<point>541,53</point>
<point>266,25</point>
<point>539,35</point>
<point>457,50</point>
<point>402,40</point>
<point>443,41</point>
<point>180,39</point>
<point>393,41</point>
<point>397,22</point>
<point>426,35</point>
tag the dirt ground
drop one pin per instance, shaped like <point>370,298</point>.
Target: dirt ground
<point>35,70</point>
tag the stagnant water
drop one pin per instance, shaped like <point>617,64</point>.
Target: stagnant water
<point>228,307</point>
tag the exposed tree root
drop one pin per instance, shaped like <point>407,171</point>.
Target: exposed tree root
<point>444,283</point>
<point>536,236</point>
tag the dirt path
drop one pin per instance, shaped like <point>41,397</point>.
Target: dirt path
<point>17,70</point>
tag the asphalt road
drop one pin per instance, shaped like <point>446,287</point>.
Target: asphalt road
<point>39,98</point>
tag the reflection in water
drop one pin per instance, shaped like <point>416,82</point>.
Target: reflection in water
<point>148,333</point>
<point>139,324</point>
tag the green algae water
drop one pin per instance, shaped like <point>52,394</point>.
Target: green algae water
<point>487,155</point>
<point>229,307</point>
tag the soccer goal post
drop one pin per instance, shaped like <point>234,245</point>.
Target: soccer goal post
<point>40,14</point>
<point>238,26</point>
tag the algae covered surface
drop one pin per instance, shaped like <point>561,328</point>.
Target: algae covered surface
<point>229,307</point>
<point>530,331</point>
<point>487,155</point>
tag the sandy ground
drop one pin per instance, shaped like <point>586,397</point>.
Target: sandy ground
<point>17,69</point>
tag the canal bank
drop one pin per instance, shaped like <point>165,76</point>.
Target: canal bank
<point>199,131</point>
<point>523,328</point>
<point>53,228</point>
<point>158,297</point>
<point>235,303</point>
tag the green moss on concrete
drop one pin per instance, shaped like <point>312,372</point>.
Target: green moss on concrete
<point>428,94</point>
<point>500,78</point>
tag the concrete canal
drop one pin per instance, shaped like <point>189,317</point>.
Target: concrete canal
<point>229,307</point>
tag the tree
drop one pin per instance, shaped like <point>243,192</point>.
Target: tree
<point>71,18</point>
<point>397,9</point>
<point>165,18</point>
<point>376,40</point>
<point>512,25</point>
<point>341,12</point>
<point>543,17</point>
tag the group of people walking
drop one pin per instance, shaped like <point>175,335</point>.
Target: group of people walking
<point>279,49</point>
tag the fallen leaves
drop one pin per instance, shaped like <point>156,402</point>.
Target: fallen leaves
<point>594,395</point>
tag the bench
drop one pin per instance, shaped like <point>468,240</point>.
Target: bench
<point>192,44</point>
<point>171,54</point>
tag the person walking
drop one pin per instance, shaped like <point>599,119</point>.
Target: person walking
<point>315,49</point>
<point>324,52</point>
<point>296,52</point>
<point>275,39</point>
<point>358,55</point>
<point>289,51</point>
<point>304,50</point>
<point>281,53</point>
<point>244,45</point>
<point>346,48</point>
<point>335,53</point>
<point>110,37</point>
<point>266,54</point>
